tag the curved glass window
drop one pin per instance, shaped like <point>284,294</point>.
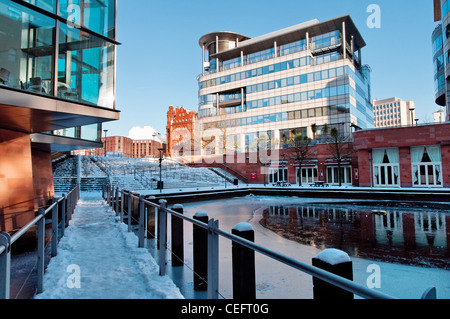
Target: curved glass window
<point>96,15</point>
<point>48,5</point>
<point>26,49</point>
<point>85,68</point>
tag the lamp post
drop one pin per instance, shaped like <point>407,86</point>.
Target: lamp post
<point>161,150</point>
<point>106,131</point>
<point>411,112</point>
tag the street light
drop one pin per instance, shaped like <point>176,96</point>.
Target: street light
<point>105,141</point>
<point>411,112</point>
<point>161,150</point>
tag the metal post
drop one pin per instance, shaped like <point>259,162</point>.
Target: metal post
<point>54,228</point>
<point>337,262</point>
<point>117,201</point>
<point>41,250</point>
<point>151,218</point>
<point>63,214</point>
<point>129,210</point>
<point>5,266</point>
<point>244,286</point>
<point>177,237</point>
<point>200,252</point>
<point>162,237</point>
<point>213,260</point>
<point>141,233</point>
<point>122,204</point>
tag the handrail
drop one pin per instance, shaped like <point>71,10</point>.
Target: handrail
<point>319,273</point>
<point>69,202</point>
<point>19,234</point>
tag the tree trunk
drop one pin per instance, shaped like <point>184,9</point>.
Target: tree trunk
<point>299,174</point>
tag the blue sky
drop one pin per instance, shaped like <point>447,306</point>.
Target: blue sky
<point>159,59</point>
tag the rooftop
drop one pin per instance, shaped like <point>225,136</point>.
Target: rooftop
<point>283,36</point>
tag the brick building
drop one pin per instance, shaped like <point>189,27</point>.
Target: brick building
<point>280,165</point>
<point>416,156</point>
<point>182,125</point>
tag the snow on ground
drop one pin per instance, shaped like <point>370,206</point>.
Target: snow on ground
<point>99,259</point>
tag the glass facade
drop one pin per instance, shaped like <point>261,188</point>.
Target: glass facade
<point>85,63</point>
<point>292,86</point>
<point>64,49</point>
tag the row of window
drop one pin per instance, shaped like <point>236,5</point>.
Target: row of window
<point>275,84</point>
<point>299,79</point>
<point>279,117</point>
<point>273,68</point>
<point>301,96</point>
<point>317,42</point>
<point>384,106</point>
<point>425,164</point>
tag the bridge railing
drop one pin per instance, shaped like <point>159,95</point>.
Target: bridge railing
<point>140,211</point>
<point>64,207</point>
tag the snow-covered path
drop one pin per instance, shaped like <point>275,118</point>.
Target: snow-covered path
<point>99,259</point>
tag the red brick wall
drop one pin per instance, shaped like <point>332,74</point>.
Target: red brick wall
<point>403,139</point>
<point>245,164</point>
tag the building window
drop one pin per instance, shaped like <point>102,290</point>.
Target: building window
<point>386,167</point>
<point>279,174</point>
<point>426,166</point>
<point>308,175</point>
<point>333,175</point>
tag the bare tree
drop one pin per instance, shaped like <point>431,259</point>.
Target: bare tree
<point>301,145</point>
<point>340,149</point>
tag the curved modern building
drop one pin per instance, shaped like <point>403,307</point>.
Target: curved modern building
<point>441,54</point>
<point>258,90</point>
<point>57,87</point>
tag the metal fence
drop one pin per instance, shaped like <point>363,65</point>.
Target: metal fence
<point>61,213</point>
<point>137,207</point>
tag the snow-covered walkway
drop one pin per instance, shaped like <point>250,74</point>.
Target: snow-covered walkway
<point>99,259</point>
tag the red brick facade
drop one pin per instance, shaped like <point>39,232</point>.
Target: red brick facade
<point>360,165</point>
<point>403,139</point>
<point>181,129</point>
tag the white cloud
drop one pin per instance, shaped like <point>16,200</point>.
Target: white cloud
<point>144,133</point>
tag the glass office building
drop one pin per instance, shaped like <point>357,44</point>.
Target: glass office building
<point>257,90</point>
<point>63,50</point>
<point>57,87</point>
<point>440,40</point>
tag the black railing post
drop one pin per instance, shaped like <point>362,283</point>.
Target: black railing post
<point>244,286</point>
<point>151,218</point>
<point>200,241</point>
<point>177,237</point>
<point>338,263</point>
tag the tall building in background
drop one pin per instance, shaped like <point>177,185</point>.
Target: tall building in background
<point>255,91</point>
<point>441,54</point>
<point>57,85</point>
<point>181,129</point>
<point>393,112</point>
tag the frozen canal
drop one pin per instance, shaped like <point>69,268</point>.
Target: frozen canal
<point>297,233</point>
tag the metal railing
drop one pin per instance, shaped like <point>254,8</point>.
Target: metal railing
<point>118,199</point>
<point>66,205</point>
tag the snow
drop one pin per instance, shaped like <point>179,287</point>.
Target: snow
<point>333,256</point>
<point>112,266</point>
<point>99,254</point>
<point>243,227</point>
<point>201,214</point>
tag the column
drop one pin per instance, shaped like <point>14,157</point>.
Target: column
<point>307,41</point>
<point>344,41</point>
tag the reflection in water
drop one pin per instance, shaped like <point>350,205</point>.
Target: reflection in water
<point>412,237</point>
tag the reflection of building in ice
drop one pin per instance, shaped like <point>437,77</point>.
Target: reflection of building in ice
<point>408,231</point>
